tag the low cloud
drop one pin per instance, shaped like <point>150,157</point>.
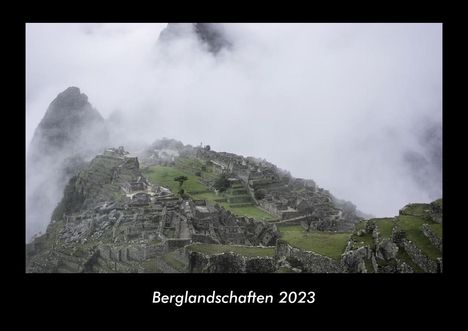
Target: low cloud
<point>342,104</point>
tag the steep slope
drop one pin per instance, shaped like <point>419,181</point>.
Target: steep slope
<point>113,219</point>
<point>70,133</point>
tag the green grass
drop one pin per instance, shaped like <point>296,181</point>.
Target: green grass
<point>437,229</point>
<point>249,211</point>
<point>363,240</point>
<point>331,244</point>
<point>164,176</point>
<point>241,250</point>
<point>210,196</point>
<point>417,209</point>
<point>361,225</point>
<point>369,266</point>
<point>412,226</point>
<point>173,262</point>
<point>385,226</point>
<point>150,266</point>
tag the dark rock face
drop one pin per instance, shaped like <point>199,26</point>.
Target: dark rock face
<point>70,133</point>
<point>211,35</point>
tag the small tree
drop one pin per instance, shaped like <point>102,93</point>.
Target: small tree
<point>181,180</point>
<point>260,194</point>
<point>222,183</point>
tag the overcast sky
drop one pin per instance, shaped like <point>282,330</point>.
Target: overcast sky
<point>337,103</point>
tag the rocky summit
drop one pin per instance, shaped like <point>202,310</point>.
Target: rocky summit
<point>178,208</point>
<point>70,133</point>
<point>70,121</point>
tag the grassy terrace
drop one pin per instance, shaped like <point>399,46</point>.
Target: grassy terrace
<point>363,240</point>
<point>412,226</point>
<point>164,176</point>
<point>150,266</point>
<point>331,244</point>
<point>172,261</point>
<point>417,209</point>
<point>360,225</point>
<point>437,229</point>
<point>385,226</point>
<point>249,211</point>
<point>241,250</point>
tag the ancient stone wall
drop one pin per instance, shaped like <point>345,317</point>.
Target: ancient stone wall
<point>229,263</point>
<point>305,260</point>
<point>419,257</point>
<point>433,238</point>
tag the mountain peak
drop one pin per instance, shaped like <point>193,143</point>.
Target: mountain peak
<point>71,98</point>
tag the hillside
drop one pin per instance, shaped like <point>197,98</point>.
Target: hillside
<point>179,208</point>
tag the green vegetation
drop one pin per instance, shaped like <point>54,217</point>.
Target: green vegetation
<point>437,229</point>
<point>180,180</point>
<point>331,244</point>
<point>72,200</point>
<point>412,227</point>
<point>385,226</point>
<point>369,266</point>
<point>222,183</point>
<point>249,211</point>
<point>150,266</point>
<point>164,176</point>
<point>437,203</point>
<point>171,260</point>
<point>363,240</point>
<point>241,250</point>
<point>361,225</point>
<point>416,209</point>
<point>209,196</point>
<point>403,256</point>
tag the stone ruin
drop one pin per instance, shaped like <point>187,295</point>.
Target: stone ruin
<point>285,197</point>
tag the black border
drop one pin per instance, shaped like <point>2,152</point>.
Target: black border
<point>340,294</point>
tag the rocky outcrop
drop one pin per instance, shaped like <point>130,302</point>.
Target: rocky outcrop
<point>386,249</point>
<point>436,211</point>
<point>354,260</point>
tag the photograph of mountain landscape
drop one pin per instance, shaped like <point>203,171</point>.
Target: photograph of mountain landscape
<point>233,148</point>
